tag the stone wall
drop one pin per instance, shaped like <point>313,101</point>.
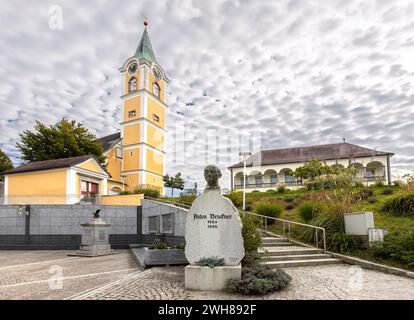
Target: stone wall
<point>58,226</point>
<point>156,209</point>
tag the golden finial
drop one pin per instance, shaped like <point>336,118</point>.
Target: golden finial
<point>145,22</point>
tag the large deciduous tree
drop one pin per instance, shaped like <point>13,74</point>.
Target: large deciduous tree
<point>5,162</point>
<point>65,139</point>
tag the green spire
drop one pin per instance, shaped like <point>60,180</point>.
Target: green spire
<point>144,50</point>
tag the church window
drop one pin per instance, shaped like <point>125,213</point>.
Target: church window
<point>132,85</point>
<point>132,113</point>
<point>156,89</point>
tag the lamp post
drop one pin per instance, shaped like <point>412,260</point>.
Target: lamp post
<point>244,156</point>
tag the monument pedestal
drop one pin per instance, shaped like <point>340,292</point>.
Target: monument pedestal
<point>211,279</point>
<point>95,239</point>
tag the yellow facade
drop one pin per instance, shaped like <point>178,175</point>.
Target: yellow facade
<point>122,200</point>
<point>158,110</point>
<point>155,137</point>
<point>155,162</point>
<point>54,186</point>
<point>132,160</point>
<point>41,183</point>
<point>132,106</point>
<point>114,165</point>
<point>132,134</point>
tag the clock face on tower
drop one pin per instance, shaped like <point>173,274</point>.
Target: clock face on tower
<point>132,68</point>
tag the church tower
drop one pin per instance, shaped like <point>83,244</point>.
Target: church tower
<point>143,121</point>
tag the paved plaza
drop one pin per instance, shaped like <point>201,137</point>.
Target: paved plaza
<point>54,275</point>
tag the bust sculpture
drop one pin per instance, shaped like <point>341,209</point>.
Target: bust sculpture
<point>212,174</point>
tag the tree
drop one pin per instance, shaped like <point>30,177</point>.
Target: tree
<point>5,162</point>
<point>176,182</point>
<point>65,139</point>
<point>314,168</point>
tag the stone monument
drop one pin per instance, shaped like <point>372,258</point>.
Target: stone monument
<point>95,238</point>
<point>213,229</point>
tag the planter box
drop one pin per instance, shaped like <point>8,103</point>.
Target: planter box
<point>157,257</point>
<point>213,279</point>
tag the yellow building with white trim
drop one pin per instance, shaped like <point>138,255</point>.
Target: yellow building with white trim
<point>134,156</point>
<point>58,181</point>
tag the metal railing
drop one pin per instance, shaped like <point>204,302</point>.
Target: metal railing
<point>269,185</point>
<point>168,201</point>
<point>286,227</point>
<point>286,224</point>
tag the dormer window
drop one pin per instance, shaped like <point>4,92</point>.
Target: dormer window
<point>132,85</point>
<point>156,90</point>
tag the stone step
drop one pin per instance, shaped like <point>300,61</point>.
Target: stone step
<point>301,263</point>
<point>296,257</point>
<point>277,244</point>
<point>275,240</point>
<point>289,251</point>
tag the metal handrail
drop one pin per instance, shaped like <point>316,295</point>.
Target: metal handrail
<point>289,222</point>
<point>177,204</point>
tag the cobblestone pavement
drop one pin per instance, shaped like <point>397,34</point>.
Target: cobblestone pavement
<point>332,282</point>
<point>54,275</point>
<point>25,275</point>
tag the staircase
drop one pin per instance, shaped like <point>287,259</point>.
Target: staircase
<point>278,252</point>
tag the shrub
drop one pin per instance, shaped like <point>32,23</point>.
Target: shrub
<point>236,197</point>
<point>251,237</point>
<point>330,181</point>
<point>397,246</point>
<point>147,191</point>
<point>400,205</point>
<point>379,183</point>
<point>259,280</point>
<point>331,220</point>
<point>211,262</point>
<point>372,199</point>
<point>180,246</point>
<point>271,191</point>
<point>387,191</point>
<point>159,244</point>
<point>342,242</point>
<point>289,206</point>
<point>398,183</point>
<point>251,259</point>
<point>281,188</point>
<point>366,193</point>
<point>186,199</point>
<point>269,209</point>
<point>125,192</point>
<point>308,210</point>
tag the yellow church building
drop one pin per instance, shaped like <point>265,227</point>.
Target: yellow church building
<point>135,155</point>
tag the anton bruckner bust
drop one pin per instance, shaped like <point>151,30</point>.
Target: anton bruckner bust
<point>213,225</point>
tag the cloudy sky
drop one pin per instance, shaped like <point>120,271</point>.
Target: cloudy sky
<point>294,72</point>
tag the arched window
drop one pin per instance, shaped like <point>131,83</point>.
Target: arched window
<point>156,89</point>
<point>132,85</point>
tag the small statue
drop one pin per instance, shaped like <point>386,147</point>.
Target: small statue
<point>212,174</point>
<point>96,214</point>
